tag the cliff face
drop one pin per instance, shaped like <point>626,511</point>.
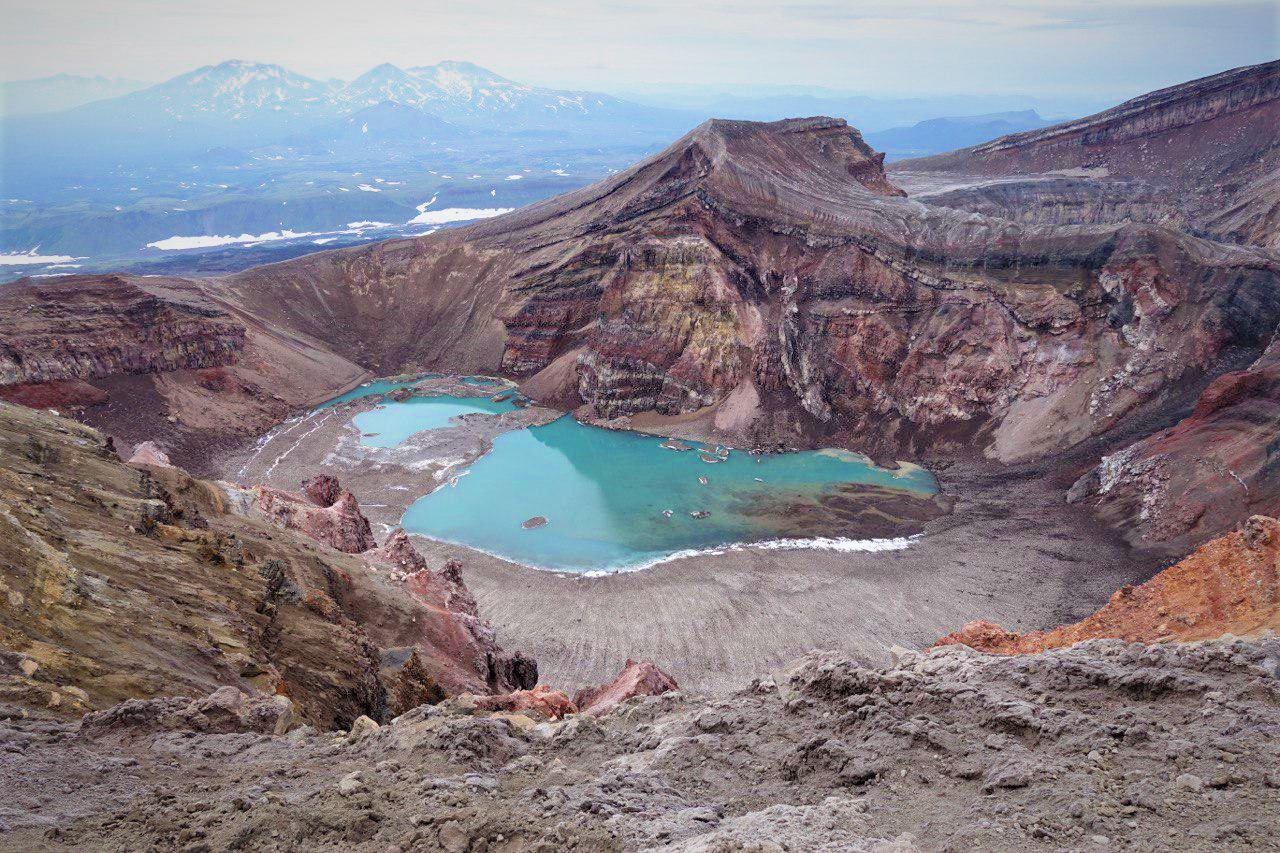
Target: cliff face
<point>1176,486</point>
<point>756,268</point>
<point>771,280</point>
<point>1174,126</point>
<point>127,582</point>
<point>1202,153</point>
<point>89,327</point>
<point>158,359</point>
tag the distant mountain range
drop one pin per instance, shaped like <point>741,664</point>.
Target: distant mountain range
<point>61,92</point>
<point>245,103</point>
<point>226,152</point>
<point>937,135</point>
<point>870,114</point>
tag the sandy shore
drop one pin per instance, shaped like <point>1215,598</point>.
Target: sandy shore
<point>1011,551</point>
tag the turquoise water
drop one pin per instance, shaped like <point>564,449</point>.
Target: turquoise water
<point>482,381</point>
<point>391,423</point>
<point>603,492</point>
<point>378,386</point>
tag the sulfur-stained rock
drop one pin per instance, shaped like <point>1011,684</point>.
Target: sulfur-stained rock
<point>174,585</point>
<point>1230,585</point>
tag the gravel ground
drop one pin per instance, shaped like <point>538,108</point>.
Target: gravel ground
<point>1101,746</point>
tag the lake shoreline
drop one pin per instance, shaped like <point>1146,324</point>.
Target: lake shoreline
<point>715,620</point>
<point>1011,552</point>
<point>393,445</point>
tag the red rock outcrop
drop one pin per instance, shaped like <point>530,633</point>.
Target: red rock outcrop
<point>1230,585</point>
<point>339,524</point>
<point>1178,486</point>
<point>638,678</point>
<point>322,489</point>
<point>398,553</point>
<point>541,701</point>
<point>60,395</point>
<point>458,648</point>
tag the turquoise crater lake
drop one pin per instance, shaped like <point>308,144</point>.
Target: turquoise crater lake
<point>617,500</point>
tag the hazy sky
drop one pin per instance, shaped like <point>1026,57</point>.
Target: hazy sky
<point>1086,47</point>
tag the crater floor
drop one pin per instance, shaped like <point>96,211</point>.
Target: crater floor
<point>1011,551</point>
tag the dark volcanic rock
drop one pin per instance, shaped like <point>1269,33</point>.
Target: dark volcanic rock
<point>1105,744</point>
<point>62,395</point>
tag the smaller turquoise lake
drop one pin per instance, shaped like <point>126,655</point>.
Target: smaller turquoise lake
<point>378,386</point>
<point>392,423</point>
<point>616,500</point>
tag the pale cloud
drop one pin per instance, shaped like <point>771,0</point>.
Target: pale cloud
<point>1100,47</point>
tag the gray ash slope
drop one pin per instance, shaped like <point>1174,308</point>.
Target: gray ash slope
<point>1098,746</point>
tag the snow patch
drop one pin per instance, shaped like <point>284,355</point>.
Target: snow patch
<point>170,244</point>
<point>457,214</point>
<point>31,257</point>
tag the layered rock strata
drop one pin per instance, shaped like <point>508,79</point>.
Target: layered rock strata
<point>333,518</point>
<point>771,280</point>
<point>1200,154</point>
<point>1105,744</point>
<point>89,328</point>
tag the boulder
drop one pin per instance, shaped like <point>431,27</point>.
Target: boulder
<point>227,710</point>
<point>398,553</point>
<point>638,678</point>
<point>339,524</point>
<point>148,453</point>
<point>323,490</point>
<point>541,700</point>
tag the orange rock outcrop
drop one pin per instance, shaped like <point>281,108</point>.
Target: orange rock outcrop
<point>1230,585</point>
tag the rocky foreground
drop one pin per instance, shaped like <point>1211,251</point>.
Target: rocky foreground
<point>1105,744</point>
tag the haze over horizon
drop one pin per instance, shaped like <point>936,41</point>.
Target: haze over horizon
<point>1072,48</point>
